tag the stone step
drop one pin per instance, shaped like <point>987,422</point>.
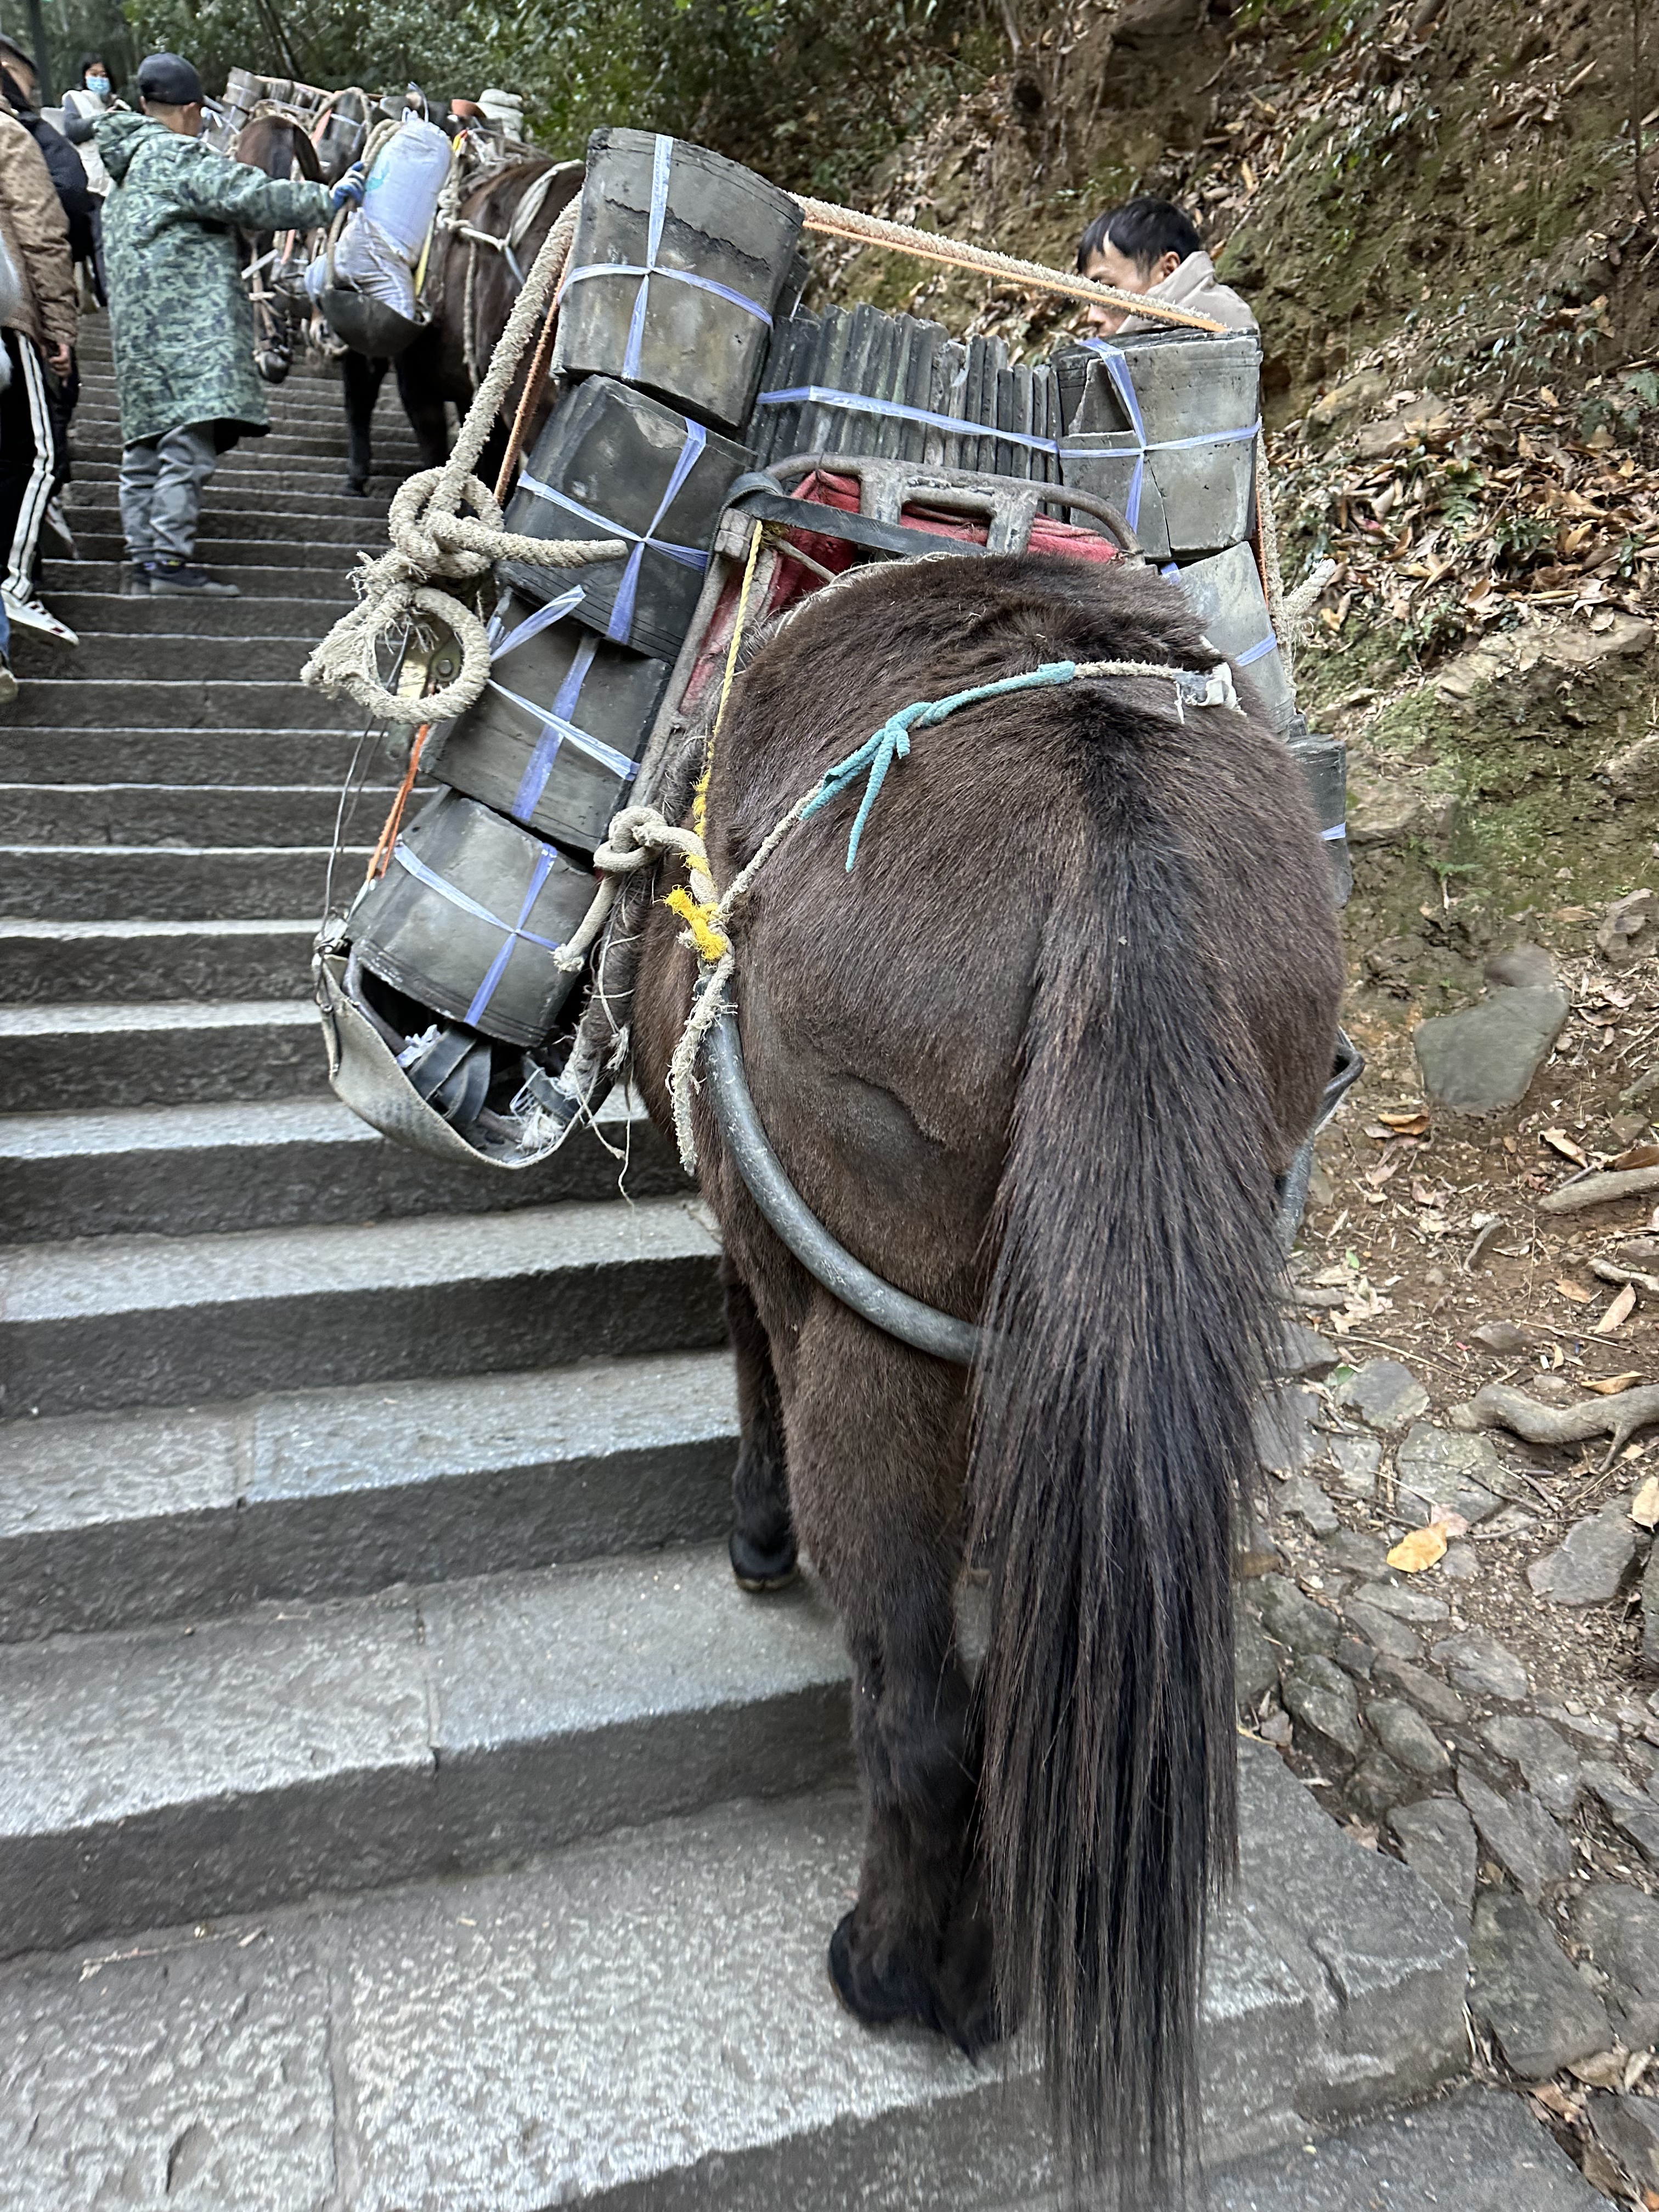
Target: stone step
<point>643,2021</point>
<point>88,1058</point>
<point>49,963</point>
<point>94,507</point>
<point>257,572</point>
<point>233,1765</point>
<point>125,1520</point>
<point>182,702</point>
<point>179,814</point>
<point>101,882</point>
<point>356,524</point>
<point>256,488</point>
<point>322,757</point>
<point>232,543</point>
<point>270,1163</point>
<point>143,1321</point>
<point>135,660</point>
<point>107,614</point>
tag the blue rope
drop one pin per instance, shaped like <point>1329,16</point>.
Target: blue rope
<point>893,742</point>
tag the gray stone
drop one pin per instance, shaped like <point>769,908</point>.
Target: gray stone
<point>1289,1618</point>
<point>1376,1785</point>
<point>1255,1661</point>
<point>1382,1629</point>
<point>1305,1355</point>
<point>1436,1840</point>
<point>1461,1562</point>
<point>1385,1394</point>
<point>1360,1553</point>
<point>1522,968</point>
<point>1407,1737</point>
<point>1628,2129</point>
<point>1405,1601</point>
<point>1426,1691</point>
<point>1541,2014</point>
<point>1355,1656</point>
<point>1356,1460</point>
<point>1284,1437</point>
<point>1483,1061</point>
<point>1302,1496</point>
<point>1484,1667</point>
<point>1618,1929</point>
<point>1320,1699</point>
<point>1504,1338</point>
<point>1547,1762</point>
<point>1589,1726</point>
<point>1440,1467</point>
<point>1589,1565</point>
<point>1650,1613</point>
<point>1520,1835</point>
<point>1631,1811</point>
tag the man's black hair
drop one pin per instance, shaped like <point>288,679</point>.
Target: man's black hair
<point>1143,231</point>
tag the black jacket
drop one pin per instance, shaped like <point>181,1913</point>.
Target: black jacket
<point>68,173</point>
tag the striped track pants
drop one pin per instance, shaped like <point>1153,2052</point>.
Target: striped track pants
<point>26,477</point>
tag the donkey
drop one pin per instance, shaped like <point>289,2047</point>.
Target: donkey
<point>281,149</point>
<point>1037,1059</point>
<point>471,289</point>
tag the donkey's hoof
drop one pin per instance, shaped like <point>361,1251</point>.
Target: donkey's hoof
<point>759,1570</point>
<point>358,486</point>
<point>875,1999</point>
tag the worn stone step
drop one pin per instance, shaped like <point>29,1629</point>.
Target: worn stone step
<point>142,1320</point>
<point>314,519</point>
<point>206,756</point>
<point>256,487</point>
<point>136,661</point>
<point>98,615</point>
<point>94,507</point>
<point>231,544</point>
<point>643,2022</point>
<point>124,1520</point>
<point>178,814</point>
<point>86,1058</point>
<point>101,882</point>
<point>237,1764</point>
<point>277,1162</point>
<point>255,570</point>
<point>184,700</point>
<point>45,963</point>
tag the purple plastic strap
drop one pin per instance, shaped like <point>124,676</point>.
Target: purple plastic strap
<point>620,627</point>
<point>545,857</point>
<point>533,625</point>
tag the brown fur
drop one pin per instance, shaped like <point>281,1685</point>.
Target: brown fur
<point>920,1039</point>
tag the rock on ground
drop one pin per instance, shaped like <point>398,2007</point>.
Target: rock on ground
<point>1436,1840</point>
<point>1484,1667</point>
<point>1442,1466</point>
<point>1630,1810</point>
<point>1519,1833</point>
<point>1356,1460</point>
<point>1289,1618</point>
<point>1618,1929</point>
<point>1407,1738</point>
<point>1628,2129</point>
<point>1385,1394</point>
<point>1541,2013</point>
<point>1320,1699</point>
<point>1382,1629</point>
<point>1591,1564</point>
<point>1425,1690</point>
<point>1548,1763</point>
<point>1483,1061</point>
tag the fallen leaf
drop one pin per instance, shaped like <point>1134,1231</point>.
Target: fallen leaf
<point>1406,1124</point>
<point>1555,2099</point>
<point>1413,1553</point>
<point>1604,2071</point>
<point>1639,1156</point>
<point>1579,1297</point>
<point>1548,397</point>
<point>1620,1310</point>
<point>1424,1193</point>
<point>1611,1385</point>
<point>1560,1141</point>
<point>1389,1165</point>
<point>1645,1506</point>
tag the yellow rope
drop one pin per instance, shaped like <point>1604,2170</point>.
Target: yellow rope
<point>698,907</point>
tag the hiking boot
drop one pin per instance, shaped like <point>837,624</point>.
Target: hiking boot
<point>7,681</point>
<point>171,577</point>
<point>29,614</point>
<point>134,581</point>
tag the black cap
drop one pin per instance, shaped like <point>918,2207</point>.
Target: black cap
<point>169,80</point>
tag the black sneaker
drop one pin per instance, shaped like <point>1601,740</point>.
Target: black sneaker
<point>171,577</point>
<point>134,581</point>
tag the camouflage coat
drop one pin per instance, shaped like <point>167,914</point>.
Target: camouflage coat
<point>181,322</point>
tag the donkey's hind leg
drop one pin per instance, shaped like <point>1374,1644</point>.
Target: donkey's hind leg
<point>762,1541</point>
<point>876,1445</point>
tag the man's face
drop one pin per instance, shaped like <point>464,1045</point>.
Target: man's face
<point>1109,266</point>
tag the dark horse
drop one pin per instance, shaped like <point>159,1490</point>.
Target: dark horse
<point>1038,1059</point>
<point>470,290</point>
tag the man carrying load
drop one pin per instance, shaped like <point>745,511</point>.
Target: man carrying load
<point>1151,248</point>
<point>183,326</point>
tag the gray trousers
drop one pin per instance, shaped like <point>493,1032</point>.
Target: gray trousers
<point>161,483</point>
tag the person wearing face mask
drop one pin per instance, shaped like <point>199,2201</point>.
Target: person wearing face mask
<point>83,103</point>
<point>1151,248</point>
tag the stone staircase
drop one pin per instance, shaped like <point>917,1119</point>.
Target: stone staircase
<point>399,1806</point>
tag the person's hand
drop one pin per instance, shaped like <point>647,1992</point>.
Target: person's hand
<point>60,358</point>
<point>348,192</point>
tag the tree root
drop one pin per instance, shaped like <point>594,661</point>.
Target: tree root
<point>1599,1189</point>
<point>1498,1406</point>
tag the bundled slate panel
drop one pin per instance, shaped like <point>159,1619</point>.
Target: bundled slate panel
<point>556,737</point>
<point>1165,427</point>
<point>613,464</point>
<point>678,263</point>
<point>1227,595</point>
<point>467,917</point>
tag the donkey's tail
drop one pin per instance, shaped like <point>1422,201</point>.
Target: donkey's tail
<point>1130,1314</point>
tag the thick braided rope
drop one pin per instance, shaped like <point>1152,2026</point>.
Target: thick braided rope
<point>430,537</point>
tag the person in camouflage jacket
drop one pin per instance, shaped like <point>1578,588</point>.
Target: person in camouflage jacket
<point>182,324</point>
